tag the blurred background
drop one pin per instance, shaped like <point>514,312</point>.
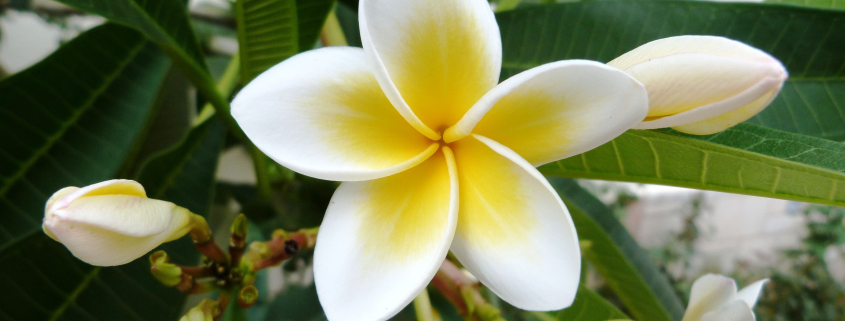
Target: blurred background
<point>687,232</point>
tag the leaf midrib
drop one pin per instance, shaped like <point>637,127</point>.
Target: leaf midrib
<point>726,150</point>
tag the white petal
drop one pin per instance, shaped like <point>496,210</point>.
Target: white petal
<point>67,195</point>
<point>734,311</point>
<point>322,113</point>
<point>711,45</point>
<point>701,87</point>
<point>557,110</point>
<point>434,58</point>
<point>709,293</point>
<point>514,233</point>
<point>382,241</point>
<point>122,233</point>
<point>751,292</point>
<point>123,214</point>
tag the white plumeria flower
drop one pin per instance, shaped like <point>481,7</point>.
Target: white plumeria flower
<point>715,298</point>
<point>112,222</point>
<point>702,85</point>
<point>414,122</point>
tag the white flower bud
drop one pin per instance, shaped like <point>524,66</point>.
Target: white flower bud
<point>113,222</point>
<point>702,85</point>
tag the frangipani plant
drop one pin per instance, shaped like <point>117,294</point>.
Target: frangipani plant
<point>441,128</point>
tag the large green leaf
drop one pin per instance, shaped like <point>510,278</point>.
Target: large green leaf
<point>166,23</point>
<point>809,42</point>
<point>764,162</point>
<point>746,159</point>
<point>624,265</point>
<point>71,120</point>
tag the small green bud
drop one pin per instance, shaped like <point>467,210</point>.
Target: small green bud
<point>167,273</point>
<point>159,256</point>
<point>247,297</point>
<point>240,227</point>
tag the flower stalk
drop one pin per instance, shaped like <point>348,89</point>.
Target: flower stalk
<point>237,242</point>
<point>204,243</point>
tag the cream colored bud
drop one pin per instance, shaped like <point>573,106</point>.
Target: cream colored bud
<point>113,222</point>
<point>702,85</point>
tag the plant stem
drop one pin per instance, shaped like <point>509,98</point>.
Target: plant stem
<point>262,177</point>
<point>225,86</point>
<point>422,307</point>
<point>332,34</point>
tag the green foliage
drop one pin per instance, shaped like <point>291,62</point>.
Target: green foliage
<point>805,289</point>
<point>91,111</point>
<point>164,22</point>
<point>267,34</point>
<point>311,16</point>
<point>71,120</point>
<point>615,254</point>
<point>270,31</point>
<point>763,162</point>
<point>747,159</point>
<point>808,42</point>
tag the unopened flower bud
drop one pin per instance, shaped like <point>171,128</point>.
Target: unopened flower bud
<point>247,296</point>
<point>702,85</point>
<point>207,310</point>
<point>112,222</point>
<point>163,270</point>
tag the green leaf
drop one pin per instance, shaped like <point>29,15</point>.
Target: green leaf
<point>165,22</point>
<point>296,303</point>
<point>270,31</point>
<point>809,43</point>
<point>71,120</point>
<point>181,174</point>
<point>814,107</point>
<point>348,19</point>
<point>311,15</point>
<point>267,34</point>
<point>746,159</point>
<point>625,266</point>
<point>764,162</point>
<point>819,4</point>
<point>590,306</point>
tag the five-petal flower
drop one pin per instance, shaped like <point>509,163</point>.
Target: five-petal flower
<point>415,122</point>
